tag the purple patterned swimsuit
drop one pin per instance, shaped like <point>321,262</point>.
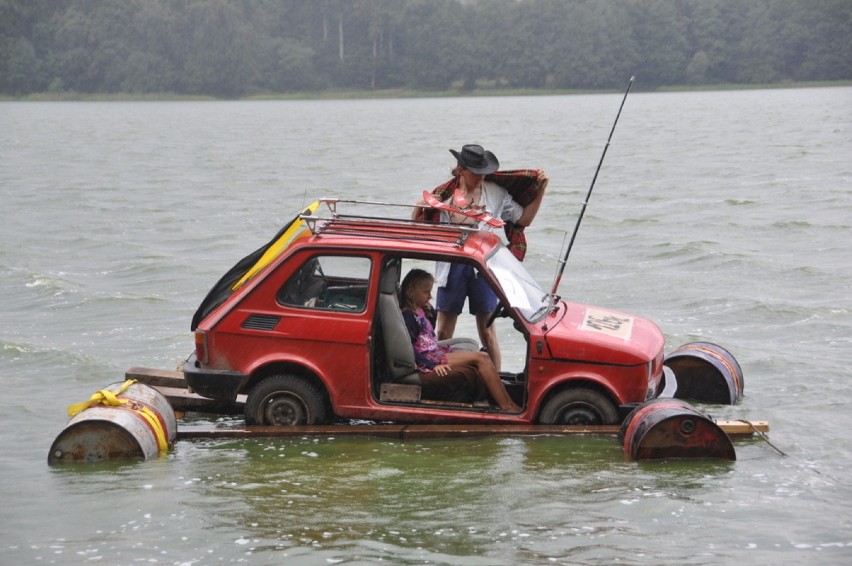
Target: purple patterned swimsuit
<point>427,352</point>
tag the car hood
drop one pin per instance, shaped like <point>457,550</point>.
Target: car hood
<point>600,335</point>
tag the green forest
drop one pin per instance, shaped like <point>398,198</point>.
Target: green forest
<point>239,48</point>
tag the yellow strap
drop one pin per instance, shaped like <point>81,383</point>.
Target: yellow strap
<point>157,427</point>
<point>110,398</point>
<point>297,229</point>
<point>102,397</point>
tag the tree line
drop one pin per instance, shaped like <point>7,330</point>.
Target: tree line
<point>235,48</point>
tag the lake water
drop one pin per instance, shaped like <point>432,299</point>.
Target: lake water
<point>723,216</point>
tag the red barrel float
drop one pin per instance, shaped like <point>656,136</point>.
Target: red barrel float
<point>124,420</point>
<point>673,429</point>
<point>706,373</point>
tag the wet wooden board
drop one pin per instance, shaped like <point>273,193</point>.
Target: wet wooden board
<point>183,401</point>
<point>735,429</point>
<point>172,386</point>
<point>156,377</point>
<point>743,428</point>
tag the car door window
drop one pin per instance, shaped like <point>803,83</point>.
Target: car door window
<point>328,282</point>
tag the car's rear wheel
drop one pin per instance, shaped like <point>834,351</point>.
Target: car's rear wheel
<point>285,400</point>
<point>579,406</point>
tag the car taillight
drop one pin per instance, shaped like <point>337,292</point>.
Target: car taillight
<point>201,346</point>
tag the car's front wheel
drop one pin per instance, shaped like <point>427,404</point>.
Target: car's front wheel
<point>286,400</point>
<point>579,406</point>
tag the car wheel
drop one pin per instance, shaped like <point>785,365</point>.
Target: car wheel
<point>579,406</point>
<point>285,400</point>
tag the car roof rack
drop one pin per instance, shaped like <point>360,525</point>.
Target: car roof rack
<point>383,226</point>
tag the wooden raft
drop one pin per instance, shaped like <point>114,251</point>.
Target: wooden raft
<point>734,429</point>
<point>173,387</point>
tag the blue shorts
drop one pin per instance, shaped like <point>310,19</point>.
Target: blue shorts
<point>462,283</point>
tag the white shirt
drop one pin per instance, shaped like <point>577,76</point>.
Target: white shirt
<point>499,203</point>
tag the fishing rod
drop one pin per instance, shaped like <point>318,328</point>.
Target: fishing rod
<point>589,193</point>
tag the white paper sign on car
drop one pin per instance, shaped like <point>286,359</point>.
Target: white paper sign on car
<point>608,322</point>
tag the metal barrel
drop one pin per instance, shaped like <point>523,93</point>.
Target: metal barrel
<point>673,429</point>
<point>124,420</point>
<point>706,373</point>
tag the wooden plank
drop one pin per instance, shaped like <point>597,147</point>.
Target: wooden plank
<point>743,428</point>
<point>182,400</point>
<point>172,386</point>
<point>732,428</point>
<point>416,432</point>
<point>156,377</point>
<point>379,431</point>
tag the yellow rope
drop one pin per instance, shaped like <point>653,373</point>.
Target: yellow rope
<point>110,399</point>
<point>762,435</point>
<point>102,397</point>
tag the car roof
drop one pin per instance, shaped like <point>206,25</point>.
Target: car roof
<point>323,223</point>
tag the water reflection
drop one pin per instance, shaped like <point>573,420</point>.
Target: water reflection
<point>371,499</point>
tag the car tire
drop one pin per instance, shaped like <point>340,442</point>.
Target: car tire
<point>286,400</point>
<point>579,406</point>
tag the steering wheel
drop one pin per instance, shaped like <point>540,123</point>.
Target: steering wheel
<point>501,311</point>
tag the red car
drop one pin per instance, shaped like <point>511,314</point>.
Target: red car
<point>308,327</point>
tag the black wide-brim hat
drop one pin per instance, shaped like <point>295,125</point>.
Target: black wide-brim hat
<point>476,159</point>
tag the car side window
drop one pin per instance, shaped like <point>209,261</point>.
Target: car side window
<point>328,282</point>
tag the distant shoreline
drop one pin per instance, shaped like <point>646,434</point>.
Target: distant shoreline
<point>400,93</point>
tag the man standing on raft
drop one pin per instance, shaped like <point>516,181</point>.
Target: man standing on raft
<point>512,196</point>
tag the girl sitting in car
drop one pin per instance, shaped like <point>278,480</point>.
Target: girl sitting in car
<point>437,363</point>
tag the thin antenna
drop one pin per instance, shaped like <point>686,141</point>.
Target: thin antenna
<point>589,193</point>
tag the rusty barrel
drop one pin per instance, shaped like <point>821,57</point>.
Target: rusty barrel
<point>706,373</point>
<point>672,428</point>
<point>124,420</point>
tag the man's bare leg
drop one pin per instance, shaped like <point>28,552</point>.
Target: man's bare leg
<point>488,337</point>
<point>446,325</point>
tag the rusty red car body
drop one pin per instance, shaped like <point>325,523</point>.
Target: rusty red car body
<point>295,326</point>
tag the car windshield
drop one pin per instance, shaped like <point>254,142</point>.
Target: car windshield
<point>521,289</point>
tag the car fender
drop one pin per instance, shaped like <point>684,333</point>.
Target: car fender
<point>297,365</point>
<point>578,379</point>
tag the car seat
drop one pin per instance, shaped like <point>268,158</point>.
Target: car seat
<point>398,351</point>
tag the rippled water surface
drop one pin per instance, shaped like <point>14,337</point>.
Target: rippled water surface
<point>723,216</point>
